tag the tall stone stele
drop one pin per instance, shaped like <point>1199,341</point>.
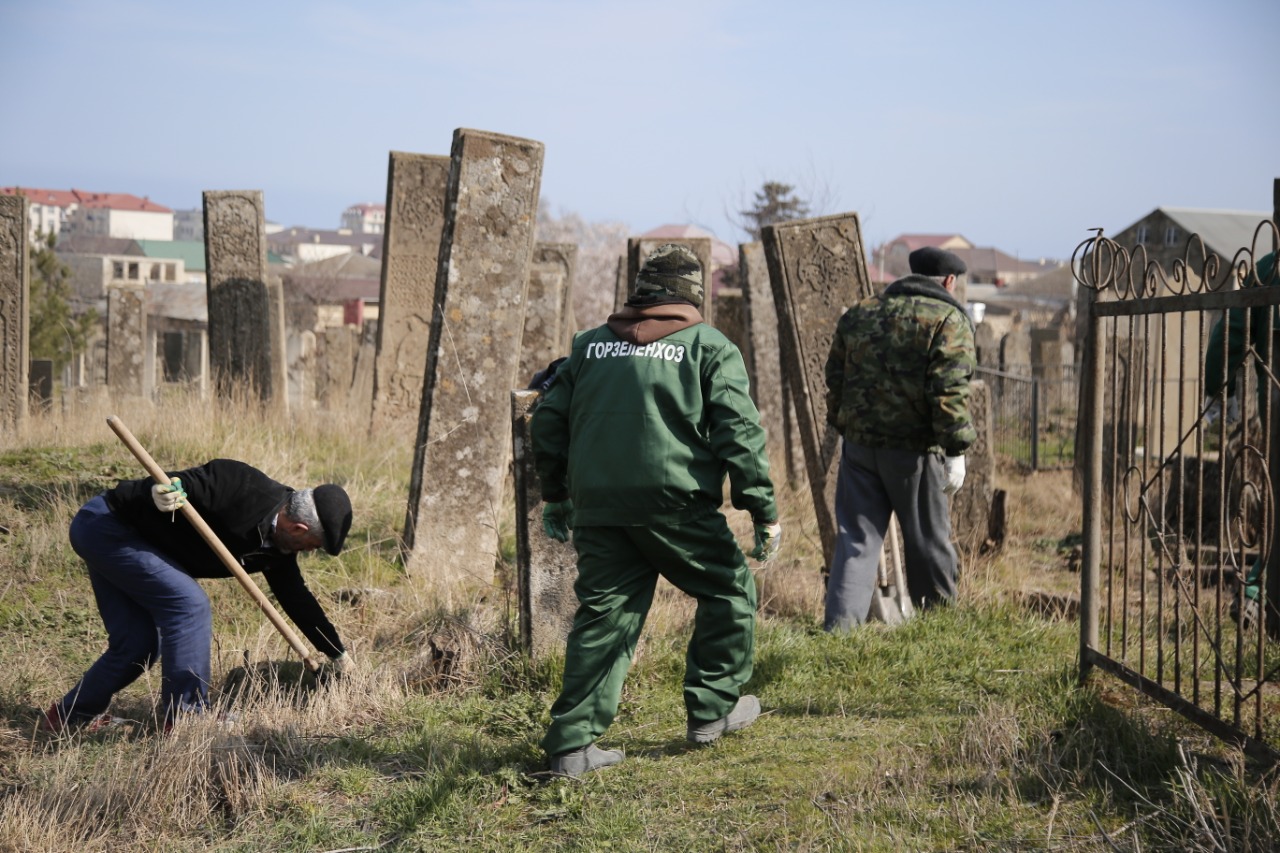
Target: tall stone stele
<point>242,314</point>
<point>464,428</point>
<point>545,569</point>
<point>818,269</point>
<point>15,328</point>
<point>130,372</point>
<point>416,186</point>
<point>550,291</point>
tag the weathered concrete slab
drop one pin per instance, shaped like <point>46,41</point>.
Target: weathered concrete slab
<point>639,248</point>
<point>464,431</point>
<point>127,337</point>
<point>14,312</point>
<point>416,187</point>
<point>818,269</point>
<point>240,314</point>
<point>562,257</point>
<point>546,569</point>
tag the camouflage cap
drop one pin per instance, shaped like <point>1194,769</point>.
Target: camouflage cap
<point>671,270</point>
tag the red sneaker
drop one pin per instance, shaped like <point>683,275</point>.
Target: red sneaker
<point>52,722</point>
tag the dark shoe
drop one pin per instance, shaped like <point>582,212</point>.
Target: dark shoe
<point>743,714</point>
<point>584,760</point>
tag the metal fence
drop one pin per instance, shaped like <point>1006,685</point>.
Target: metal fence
<point>1033,417</point>
<point>1179,558</point>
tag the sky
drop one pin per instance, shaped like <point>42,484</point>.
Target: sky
<point>1020,125</point>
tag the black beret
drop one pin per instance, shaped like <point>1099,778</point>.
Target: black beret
<point>935,262</point>
<point>334,509</point>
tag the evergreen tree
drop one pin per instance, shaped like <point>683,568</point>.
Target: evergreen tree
<point>774,202</point>
<point>55,333</point>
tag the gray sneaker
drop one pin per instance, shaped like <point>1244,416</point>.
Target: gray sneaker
<point>743,714</point>
<point>584,760</point>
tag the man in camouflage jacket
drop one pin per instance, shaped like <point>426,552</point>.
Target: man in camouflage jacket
<point>898,390</point>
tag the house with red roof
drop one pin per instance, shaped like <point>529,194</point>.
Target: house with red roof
<point>93,214</point>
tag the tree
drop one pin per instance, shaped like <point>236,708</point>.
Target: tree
<point>774,202</point>
<point>56,333</point>
<point>600,244</point>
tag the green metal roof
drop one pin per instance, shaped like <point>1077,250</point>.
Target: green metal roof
<point>190,252</point>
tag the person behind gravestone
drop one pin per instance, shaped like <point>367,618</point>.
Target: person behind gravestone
<point>632,442</point>
<point>897,381</point>
<point>1231,332</point>
<point>144,559</point>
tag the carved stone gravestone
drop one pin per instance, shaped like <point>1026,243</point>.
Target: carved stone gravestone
<point>546,569</point>
<point>818,269</point>
<point>416,185</point>
<point>14,312</point>
<point>764,364</point>
<point>564,258</point>
<point>335,366</point>
<point>971,506</point>
<point>360,398</point>
<point>1015,351</point>
<point>986,346</point>
<point>240,309</point>
<point>127,354</point>
<point>464,430</point>
<point>544,305</point>
<point>731,318</point>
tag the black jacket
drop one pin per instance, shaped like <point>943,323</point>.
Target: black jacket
<point>238,502</point>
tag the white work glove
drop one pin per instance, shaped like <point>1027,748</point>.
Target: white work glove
<point>342,664</point>
<point>953,467</point>
<point>768,541</point>
<point>170,498</point>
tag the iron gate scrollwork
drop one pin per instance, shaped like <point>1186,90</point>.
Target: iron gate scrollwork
<point>1180,440</point>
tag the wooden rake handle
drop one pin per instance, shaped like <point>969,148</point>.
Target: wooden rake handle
<point>206,532</point>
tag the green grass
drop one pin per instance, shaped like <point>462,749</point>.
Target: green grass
<point>964,729</point>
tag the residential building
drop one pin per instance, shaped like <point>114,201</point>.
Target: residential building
<point>889,260</point>
<point>304,245</point>
<point>120,215</point>
<point>49,209</point>
<point>365,218</point>
<point>1165,235</point>
<point>188,224</point>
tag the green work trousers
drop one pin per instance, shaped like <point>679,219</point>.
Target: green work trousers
<point>618,569</point>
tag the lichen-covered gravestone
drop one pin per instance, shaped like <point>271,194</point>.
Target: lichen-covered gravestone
<point>240,308</point>
<point>464,430</point>
<point>544,307</point>
<point>546,569</point>
<point>14,312</point>
<point>126,334</point>
<point>416,186</point>
<point>562,257</point>
<point>818,269</point>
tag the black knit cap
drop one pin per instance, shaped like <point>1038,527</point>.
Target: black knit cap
<point>334,509</point>
<point>935,262</point>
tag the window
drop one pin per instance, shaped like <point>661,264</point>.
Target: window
<point>1171,236</point>
<point>133,271</point>
<point>154,273</point>
<point>1144,234</point>
<point>170,272</point>
<point>117,269</point>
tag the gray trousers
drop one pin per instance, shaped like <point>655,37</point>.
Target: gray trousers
<point>874,484</point>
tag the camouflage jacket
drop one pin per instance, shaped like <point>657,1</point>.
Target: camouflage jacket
<point>899,369</point>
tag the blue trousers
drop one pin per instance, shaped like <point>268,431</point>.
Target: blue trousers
<point>873,485</point>
<point>149,606</point>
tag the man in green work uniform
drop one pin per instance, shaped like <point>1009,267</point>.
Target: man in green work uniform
<point>1220,369</point>
<point>632,441</point>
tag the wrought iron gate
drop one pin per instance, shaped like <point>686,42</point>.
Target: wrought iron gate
<point>1180,429</point>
